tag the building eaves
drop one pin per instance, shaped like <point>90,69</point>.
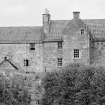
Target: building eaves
<point>20,34</point>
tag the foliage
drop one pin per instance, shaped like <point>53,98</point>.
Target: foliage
<point>82,85</point>
<point>12,91</point>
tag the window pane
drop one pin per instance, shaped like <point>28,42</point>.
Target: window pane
<point>59,61</point>
<point>82,31</point>
<point>59,44</point>
<point>32,46</point>
<point>76,53</point>
<point>26,62</point>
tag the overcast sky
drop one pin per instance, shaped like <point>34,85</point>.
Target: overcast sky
<point>29,12</point>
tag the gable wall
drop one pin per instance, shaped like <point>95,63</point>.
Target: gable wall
<point>75,40</point>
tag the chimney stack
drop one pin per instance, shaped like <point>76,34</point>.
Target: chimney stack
<point>76,14</point>
<point>46,16</point>
<point>46,21</point>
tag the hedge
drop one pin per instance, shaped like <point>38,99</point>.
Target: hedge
<point>82,85</point>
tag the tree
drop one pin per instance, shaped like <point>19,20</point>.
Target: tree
<point>75,85</point>
<point>13,94</point>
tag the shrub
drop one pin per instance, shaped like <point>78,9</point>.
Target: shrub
<point>13,93</point>
<point>75,85</point>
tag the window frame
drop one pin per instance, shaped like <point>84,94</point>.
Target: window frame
<point>76,53</point>
<point>59,62</point>
<point>26,62</point>
<point>32,46</point>
<point>82,31</point>
<point>60,45</point>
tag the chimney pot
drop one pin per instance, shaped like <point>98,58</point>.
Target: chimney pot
<point>76,14</point>
<point>46,16</point>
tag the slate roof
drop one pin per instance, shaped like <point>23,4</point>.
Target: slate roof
<point>57,26</point>
<point>20,34</point>
<point>96,26</point>
<point>35,34</point>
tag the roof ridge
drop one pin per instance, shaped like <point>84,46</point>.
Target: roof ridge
<point>80,19</point>
<point>20,26</point>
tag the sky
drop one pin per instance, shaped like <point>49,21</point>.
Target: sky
<point>29,12</point>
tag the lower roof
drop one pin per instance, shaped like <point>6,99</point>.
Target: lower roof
<point>20,34</point>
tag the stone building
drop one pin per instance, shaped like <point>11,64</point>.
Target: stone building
<point>54,44</point>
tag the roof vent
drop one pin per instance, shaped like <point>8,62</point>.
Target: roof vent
<point>76,14</point>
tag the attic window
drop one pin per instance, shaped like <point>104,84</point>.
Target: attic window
<point>82,31</point>
<point>32,46</point>
<point>26,62</point>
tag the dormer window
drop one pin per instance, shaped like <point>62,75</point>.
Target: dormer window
<point>32,46</point>
<point>82,31</point>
